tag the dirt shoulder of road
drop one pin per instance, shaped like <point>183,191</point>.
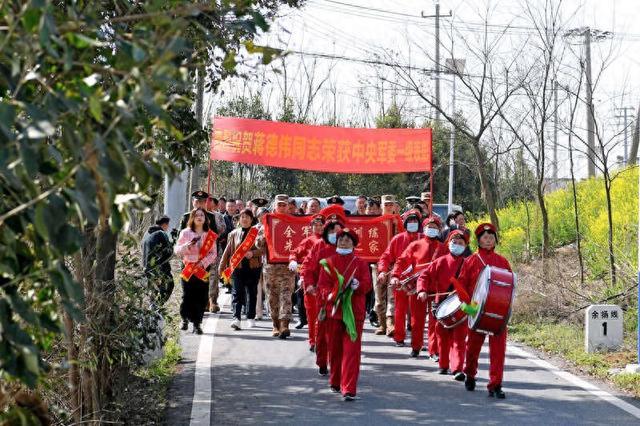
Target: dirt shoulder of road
<point>548,316</point>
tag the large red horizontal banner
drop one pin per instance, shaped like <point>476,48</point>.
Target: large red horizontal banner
<point>284,233</point>
<point>321,148</point>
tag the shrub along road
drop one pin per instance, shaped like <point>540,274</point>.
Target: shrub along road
<point>248,377</point>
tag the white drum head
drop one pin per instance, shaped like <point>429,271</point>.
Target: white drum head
<point>448,306</point>
<point>480,293</point>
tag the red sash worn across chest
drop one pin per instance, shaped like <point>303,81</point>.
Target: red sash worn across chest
<point>240,253</point>
<point>194,268</point>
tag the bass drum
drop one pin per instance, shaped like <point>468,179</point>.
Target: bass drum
<point>449,313</point>
<point>494,294</point>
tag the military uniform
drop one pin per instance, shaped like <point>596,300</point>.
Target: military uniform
<point>385,302</point>
<point>280,282</point>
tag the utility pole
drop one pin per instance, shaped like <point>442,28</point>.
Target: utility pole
<point>591,144</point>
<point>177,192</point>
<point>437,53</point>
<point>452,142</point>
<point>454,68</point>
<point>589,35</point>
<point>555,132</point>
<point>625,117</point>
<point>635,368</point>
<point>437,59</point>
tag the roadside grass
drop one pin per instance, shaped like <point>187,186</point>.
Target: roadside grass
<point>162,369</point>
<point>567,341</point>
<point>146,396</point>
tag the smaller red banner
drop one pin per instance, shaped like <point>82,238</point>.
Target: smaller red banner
<point>284,233</point>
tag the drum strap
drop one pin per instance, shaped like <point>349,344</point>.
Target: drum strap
<point>481,259</point>
<point>450,289</point>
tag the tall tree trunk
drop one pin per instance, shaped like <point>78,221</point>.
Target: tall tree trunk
<point>545,218</point>
<point>485,184</point>
<point>106,244</point>
<point>526,208</point>
<point>575,211</point>
<point>612,260</point>
<point>633,154</point>
<point>85,272</point>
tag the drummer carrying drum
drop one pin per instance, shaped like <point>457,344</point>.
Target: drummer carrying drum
<point>472,268</point>
<point>435,283</point>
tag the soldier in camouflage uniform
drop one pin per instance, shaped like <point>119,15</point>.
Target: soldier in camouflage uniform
<point>279,279</point>
<point>385,301</point>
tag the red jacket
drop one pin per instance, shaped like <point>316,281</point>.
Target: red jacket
<point>437,277</point>
<point>299,253</point>
<point>311,264</point>
<point>418,254</point>
<point>346,265</point>
<point>395,248</point>
<point>473,266</point>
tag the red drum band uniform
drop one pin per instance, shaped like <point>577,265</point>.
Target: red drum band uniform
<point>418,275</point>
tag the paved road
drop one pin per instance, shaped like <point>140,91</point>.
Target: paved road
<point>256,379</point>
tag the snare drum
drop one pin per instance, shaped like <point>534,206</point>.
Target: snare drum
<point>494,294</point>
<point>449,313</point>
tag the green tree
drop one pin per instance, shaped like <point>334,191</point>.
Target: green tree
<point>92,101</point>
<point>466,186</point>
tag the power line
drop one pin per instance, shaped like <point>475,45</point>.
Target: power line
<point>427,71</point>
<point>472,26</point>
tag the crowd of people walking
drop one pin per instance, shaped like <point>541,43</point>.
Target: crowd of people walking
<point>222,245</point>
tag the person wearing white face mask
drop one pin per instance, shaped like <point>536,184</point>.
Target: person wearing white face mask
<point>345,279</point>
<point>436,279</point>
<point>416,257</point>
<point>309,273</point>
<point>397,245</point>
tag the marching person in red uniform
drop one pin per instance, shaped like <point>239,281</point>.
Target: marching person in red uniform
<point>345,280</point>
<point>310,272</point>
<point>295,262</point>
<point>486,235</point>
<point>397,245</point>
<point>415,258</point>
<point>437,279</point>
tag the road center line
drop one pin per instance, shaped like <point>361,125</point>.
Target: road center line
<point>202,398</point>
<point>575,380</point>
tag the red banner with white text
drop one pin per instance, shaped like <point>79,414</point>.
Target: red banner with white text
<point>321,148</point>
<point>284,233</point>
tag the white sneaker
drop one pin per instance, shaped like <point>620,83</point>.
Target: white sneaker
<point>251,323</point>
<point>235,324</point>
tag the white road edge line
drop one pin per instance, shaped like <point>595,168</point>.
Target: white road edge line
<point>202,398</point>
<point>575,380</point>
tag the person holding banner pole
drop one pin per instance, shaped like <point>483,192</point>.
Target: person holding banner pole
<point>415,259</point>
<point>241,264</point>
<point>280,281</point>
<point>296,260</point>
<point>310,272</point>
<point>396,247</point>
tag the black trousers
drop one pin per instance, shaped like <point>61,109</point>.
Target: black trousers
<point>299,295</point>
<point>195,296</point>
<point>245,286</point>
